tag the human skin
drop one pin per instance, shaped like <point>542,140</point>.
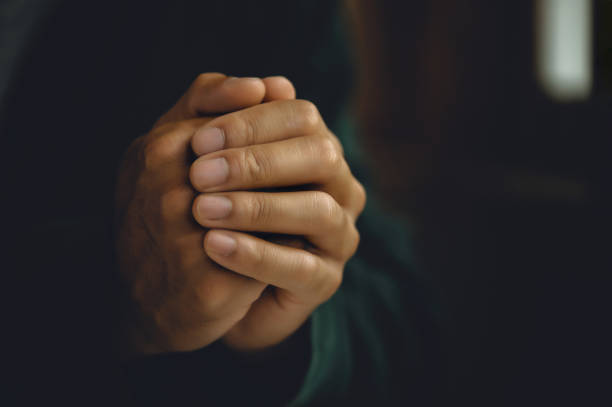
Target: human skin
<point>193,269</point>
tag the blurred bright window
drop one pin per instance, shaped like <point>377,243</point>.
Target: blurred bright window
<point>564,31</point>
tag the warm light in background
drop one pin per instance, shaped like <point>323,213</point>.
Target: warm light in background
<point>564,48</point>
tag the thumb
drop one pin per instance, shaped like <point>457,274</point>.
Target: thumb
<point>278,88</point>
<point>214,93</point>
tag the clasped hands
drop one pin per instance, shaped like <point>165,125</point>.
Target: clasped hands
<point>200,199</point>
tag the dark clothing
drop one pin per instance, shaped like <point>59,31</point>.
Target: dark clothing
<point>96,75</point>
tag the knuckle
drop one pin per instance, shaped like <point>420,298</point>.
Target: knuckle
<point>153,153</point>
<point>254,165</point>
<point>309,116</point>
<point>328,209</point>
<point>330,155</point>
<point>337,143</point>
<point>309,264</point>
<point>158,151</point>
<point>161,129</point>
<point>308,269</point>
<point>244,127</point>
<point>360,196</point>
<point>170,130</point>
<point>352,243</point>
<point>259,210</point>
<point>326,282</point>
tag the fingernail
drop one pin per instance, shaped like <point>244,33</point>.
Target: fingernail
<point>214,207</point>
<point>207,140</point>
<point>220,243</point>
<point>210,173</point>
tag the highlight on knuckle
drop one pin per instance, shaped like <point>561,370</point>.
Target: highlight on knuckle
<point>308,114</point>
<point>330,213</point>
<point>309,266</point>
<point>308,272</point>
<point>158,151</point>
<point>361,196</point>
<point>153,153</point>
<point>253,165</point>
<point>331,157</point>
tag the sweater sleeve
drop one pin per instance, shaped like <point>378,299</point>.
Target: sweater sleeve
<point>376,340</point>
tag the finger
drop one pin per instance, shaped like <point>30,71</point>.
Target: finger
<point>214,93</point>
<point>295,161</point>
<point>313,214</point>
<point>278,88</point>
<point>357,201</point>
<point>169,143</point>
<point>259,124</point>
<point>223,290</point>
<point>284,267</point>
<point>348,192</point>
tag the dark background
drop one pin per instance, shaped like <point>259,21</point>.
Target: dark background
<point>509,191</point>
